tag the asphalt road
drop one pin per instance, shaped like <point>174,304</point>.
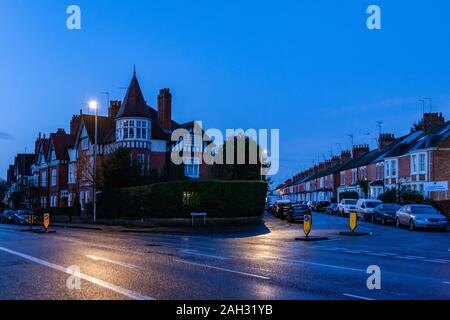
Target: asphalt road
<point>263,263</point>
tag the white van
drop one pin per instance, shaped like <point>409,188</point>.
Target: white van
<point>365,208</point>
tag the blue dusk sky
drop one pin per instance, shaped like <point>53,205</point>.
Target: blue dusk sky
<point>309,68</point>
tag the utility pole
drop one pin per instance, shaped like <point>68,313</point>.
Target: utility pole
<point>431,103</point>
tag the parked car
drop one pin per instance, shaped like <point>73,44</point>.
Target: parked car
<point>332,209</point>
<point>297,213</point>
<point>281,208</point>
<point>385,213</point>
<point>271,201</point>
<point>22,217</point>
<point>365,208</point>
<point>321,206</point>
<point>420,216</point>
<point>7,216</point>
<point>346,206</point>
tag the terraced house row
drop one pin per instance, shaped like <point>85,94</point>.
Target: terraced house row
<point>418,161</point>
<point>61,167</point>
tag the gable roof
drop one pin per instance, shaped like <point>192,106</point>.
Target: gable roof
<point>106,128</point>
<point>60,142</point>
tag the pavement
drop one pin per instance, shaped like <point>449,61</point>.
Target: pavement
<point>243,263</point>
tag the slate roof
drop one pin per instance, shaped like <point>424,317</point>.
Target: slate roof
<point>134,103</point>
<point>61,142</point>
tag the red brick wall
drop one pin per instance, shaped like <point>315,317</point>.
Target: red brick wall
<point>372,172</point>
<point>158,161</point>
<point>404,166</point>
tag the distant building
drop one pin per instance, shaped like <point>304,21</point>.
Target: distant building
<point>409,162</point>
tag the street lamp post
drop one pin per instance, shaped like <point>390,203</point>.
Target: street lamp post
<point>94,105</point>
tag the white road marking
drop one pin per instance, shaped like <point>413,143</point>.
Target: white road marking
<point>295,261</point>
<point>357,297</point>
<point>377,254</point>
<point>435,261</point>
<point>195,253</point>
<point>389,253</point>
<point>123,264</point>
<point>409,257</point>
<point>104,284</point>
<point>222,269</point>
<point>446,282</point>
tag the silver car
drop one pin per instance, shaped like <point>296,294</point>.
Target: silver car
<point>420,216</point>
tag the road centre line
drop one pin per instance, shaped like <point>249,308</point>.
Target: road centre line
<point>357,297</point>
<point>123,264</point>
<point>222,269</point>
<point>295,261</point>
<point>195,253</point>
<point>104,284</point>
<point>446,282</point>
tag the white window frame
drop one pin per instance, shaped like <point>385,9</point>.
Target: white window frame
<point>53,177</point>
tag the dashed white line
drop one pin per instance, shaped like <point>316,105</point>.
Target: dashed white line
<point>195,253</point>
<point>446,282</point>
<point>377,254</point>
<point>222,269</point>
<point>295,261</point>
<point>123,264</point>
<point>435,261</point>
<point>104,284</point>
<point>357,297</point>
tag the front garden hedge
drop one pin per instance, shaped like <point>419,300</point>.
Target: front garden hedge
<point>177,199</point>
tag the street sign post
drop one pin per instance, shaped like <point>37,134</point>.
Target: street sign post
<point>31,221</point>
<point>353,221</point>
<point>307,224</point>
<point>46,221</point>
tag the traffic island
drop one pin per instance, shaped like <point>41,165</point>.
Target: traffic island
<point>312,239</point>
<point>354,233</point>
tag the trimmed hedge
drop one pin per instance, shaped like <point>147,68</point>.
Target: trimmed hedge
<point>220,199</point>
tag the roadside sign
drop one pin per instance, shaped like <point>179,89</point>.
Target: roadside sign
<point>436,186</point>
<point>46,220</point>
<point>307,224</point>
<point>353,220</point>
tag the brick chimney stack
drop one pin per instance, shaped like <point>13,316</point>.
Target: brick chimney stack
<point>165,108</point>
<point>431,120</point>
<point>345,156</point>
<point>113,108</point>
<point>37,143</point>
<point>385,139</point>
<point>335,160</point>
<point>74,123</point>
<point>61,131</point>
<point>360,150</point>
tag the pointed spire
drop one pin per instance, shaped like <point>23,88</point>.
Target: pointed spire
<point>134,103</point>
<point>134,71</point>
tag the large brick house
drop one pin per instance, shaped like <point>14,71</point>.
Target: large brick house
<point>410,161</point>
<point>62,164</point>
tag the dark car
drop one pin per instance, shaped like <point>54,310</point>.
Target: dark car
<point>332,209</point>
<point>281,208</point>
<point>385,213</point>
<point>7,216</point>
<point>297,213</point>
<point>321,206</point>
<point>22,217</point>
